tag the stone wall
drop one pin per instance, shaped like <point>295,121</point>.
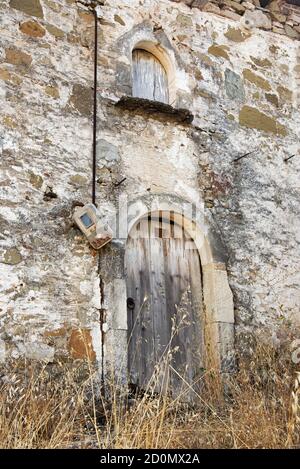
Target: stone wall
<point>49,280</point>
<point>239,158</point>
<point>279,16</point>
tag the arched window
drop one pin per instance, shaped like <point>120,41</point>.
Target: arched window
<point>150,80</point>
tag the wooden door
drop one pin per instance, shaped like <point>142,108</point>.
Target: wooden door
<point>149,78</point>
<point>164,307</point>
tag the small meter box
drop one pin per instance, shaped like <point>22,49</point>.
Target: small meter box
<point>88,220</point>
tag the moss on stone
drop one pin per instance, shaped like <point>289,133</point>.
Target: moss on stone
<point>274,49</point>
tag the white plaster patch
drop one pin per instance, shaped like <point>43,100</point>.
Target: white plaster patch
<point>96,342</point>
<point>182,81</point>
<point>86,287</point>
<point>2,351</point>
<point>8,214</point>
<point>96,297</point>
<point>39,351</point>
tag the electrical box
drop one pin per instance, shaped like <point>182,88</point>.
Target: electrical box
<point>88,220</point>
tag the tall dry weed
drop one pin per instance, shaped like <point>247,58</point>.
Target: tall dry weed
<point>63,405</point>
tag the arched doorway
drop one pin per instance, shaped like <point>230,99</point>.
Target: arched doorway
<point>164,306</point>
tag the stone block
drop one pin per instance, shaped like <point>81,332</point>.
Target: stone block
<point>234,86</point>
<point>254,119</point>
<point>12,256</point>
<point>257,80</point>
<point>231,15</point>
<point>291,32</point>
<point>107,153</point>
<point>257,19</point>
<point>54,31</point>
<point>219,51</point>
<point>30,7</point>
<point>32,28</point>
<point>17,57</point>
<point>211,8</point>
<point>221,304</point>
<point>237,34</point>
<point>81,99</point>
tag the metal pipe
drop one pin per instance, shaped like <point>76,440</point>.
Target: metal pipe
<point>95,110</point>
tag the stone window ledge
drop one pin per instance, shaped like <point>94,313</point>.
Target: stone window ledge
<point>155,109</point>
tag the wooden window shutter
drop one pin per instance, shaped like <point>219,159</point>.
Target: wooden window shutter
<point>150,79</point>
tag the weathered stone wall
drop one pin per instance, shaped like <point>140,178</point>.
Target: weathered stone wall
<point>241,84</point>
<point>279,16</point>
<point>49,277</point>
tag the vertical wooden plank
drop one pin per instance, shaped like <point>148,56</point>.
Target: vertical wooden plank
<point>161,329</point>
<point>149,78</point>
<point>196,329</point>
<point>181,340</point>
<point>137,266</point>
<point>133,291</point>
<point>145,359</point>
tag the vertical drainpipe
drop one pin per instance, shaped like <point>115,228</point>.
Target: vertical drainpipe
<point>95,109</point>
<point>94,176</point>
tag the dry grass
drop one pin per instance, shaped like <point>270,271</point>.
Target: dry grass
<point>39,409</point>
<point>58,406</point>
